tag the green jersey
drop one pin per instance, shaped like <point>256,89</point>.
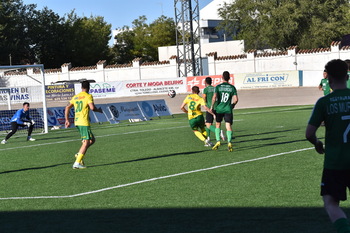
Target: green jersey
<point>325,86</point>
<point>348,82</point>
<point>224,93</point>
<point>334,110</point>
<point>209,92</point>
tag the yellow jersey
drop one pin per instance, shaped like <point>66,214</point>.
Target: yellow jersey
<point>81,108</point>
<point>194,103</point>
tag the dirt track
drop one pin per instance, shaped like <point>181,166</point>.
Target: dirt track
<point>247,98</point>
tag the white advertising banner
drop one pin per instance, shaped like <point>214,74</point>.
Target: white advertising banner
<point>154,87</point>
<point>114,112</point>
<point>103,89</point>
<point>268,80</point>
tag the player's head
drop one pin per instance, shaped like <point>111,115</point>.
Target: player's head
<point>208,80</point>
<point>348,63</point>
<point>226,76</point>
<point>85,85</point>
<point>195,90</point>
<point>325,74</point>
<point>25,106</point>
<point>337,70</point>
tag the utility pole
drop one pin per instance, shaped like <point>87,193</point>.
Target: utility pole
<point>188,38</point>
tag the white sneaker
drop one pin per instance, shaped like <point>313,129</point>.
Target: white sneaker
<point>222,135</point>
<point>3,141</point>
<point>30,139</point>
<point>208,143</point>
<point>78,166</point>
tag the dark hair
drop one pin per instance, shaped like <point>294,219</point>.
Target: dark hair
<point>25,103</point>
<point>337,69</point>
<point>195,89</point>
<point>226,75</point>
<point>85,85</point>
<point>208,80</point>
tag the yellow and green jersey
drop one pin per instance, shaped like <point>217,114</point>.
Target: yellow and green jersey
<point>81,107</point>
<point>194,103</point>
<point>334,110</point>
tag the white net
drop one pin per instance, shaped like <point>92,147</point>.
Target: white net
<point>15,90</point>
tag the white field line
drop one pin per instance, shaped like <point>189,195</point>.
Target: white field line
<point>156,178</point>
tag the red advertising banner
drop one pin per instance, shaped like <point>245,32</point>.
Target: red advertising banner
<point>200,81</point>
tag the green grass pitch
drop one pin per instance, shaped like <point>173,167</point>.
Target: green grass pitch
<point>156,176</point>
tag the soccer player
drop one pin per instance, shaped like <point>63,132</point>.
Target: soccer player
<point>208,93</point>
<point>334,110</point>
<point>82,102</point>
<point>195,114</point>
<point>22,119</point>
<point>225,95</point>
<point>324,84</point>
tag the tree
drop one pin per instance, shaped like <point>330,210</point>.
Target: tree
<point>282,23</point>
<point>14,32</point>
<point>87,39</point>
<point>47,32</point>
<point>143,40</point>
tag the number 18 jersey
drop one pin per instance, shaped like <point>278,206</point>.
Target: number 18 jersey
<point>334,110</point>
<point>224,93</point>
<point>81,107</point>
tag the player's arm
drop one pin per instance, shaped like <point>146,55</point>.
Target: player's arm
<point>66,114</point>
<point>208,110</point>
<point>213,100</point>
<point>183,108</point>
<point>234,101</point>
<point>310,135</point>
<point>93,107</point>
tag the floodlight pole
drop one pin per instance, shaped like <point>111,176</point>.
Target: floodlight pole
<point>187,36</point>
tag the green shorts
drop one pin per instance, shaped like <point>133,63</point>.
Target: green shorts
<point>85,132</point>
<point>197,122</point>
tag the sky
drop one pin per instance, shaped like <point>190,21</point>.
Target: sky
<point>115,12</point>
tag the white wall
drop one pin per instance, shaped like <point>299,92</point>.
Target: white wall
<point>310,61</point>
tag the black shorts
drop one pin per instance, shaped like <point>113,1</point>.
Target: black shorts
<point>334,183</point>
<point>228,117</point>
<point>209,118</point>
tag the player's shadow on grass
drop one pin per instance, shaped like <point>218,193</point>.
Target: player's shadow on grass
<point>33,168</point>
<point>170,220</point>
<point>269,144</point>
<point>149,158</point>
<point>270,132</point>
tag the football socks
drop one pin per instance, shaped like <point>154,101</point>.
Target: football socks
<point>199,135</point>
<point>79,158</point>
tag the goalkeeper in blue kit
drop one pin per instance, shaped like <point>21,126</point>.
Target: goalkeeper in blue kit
<point>21,119</point>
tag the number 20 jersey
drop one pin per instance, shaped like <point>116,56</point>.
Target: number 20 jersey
<point>334,110</point>
<point>81,108</point>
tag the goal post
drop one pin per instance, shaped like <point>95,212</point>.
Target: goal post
<point>14,92</point>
